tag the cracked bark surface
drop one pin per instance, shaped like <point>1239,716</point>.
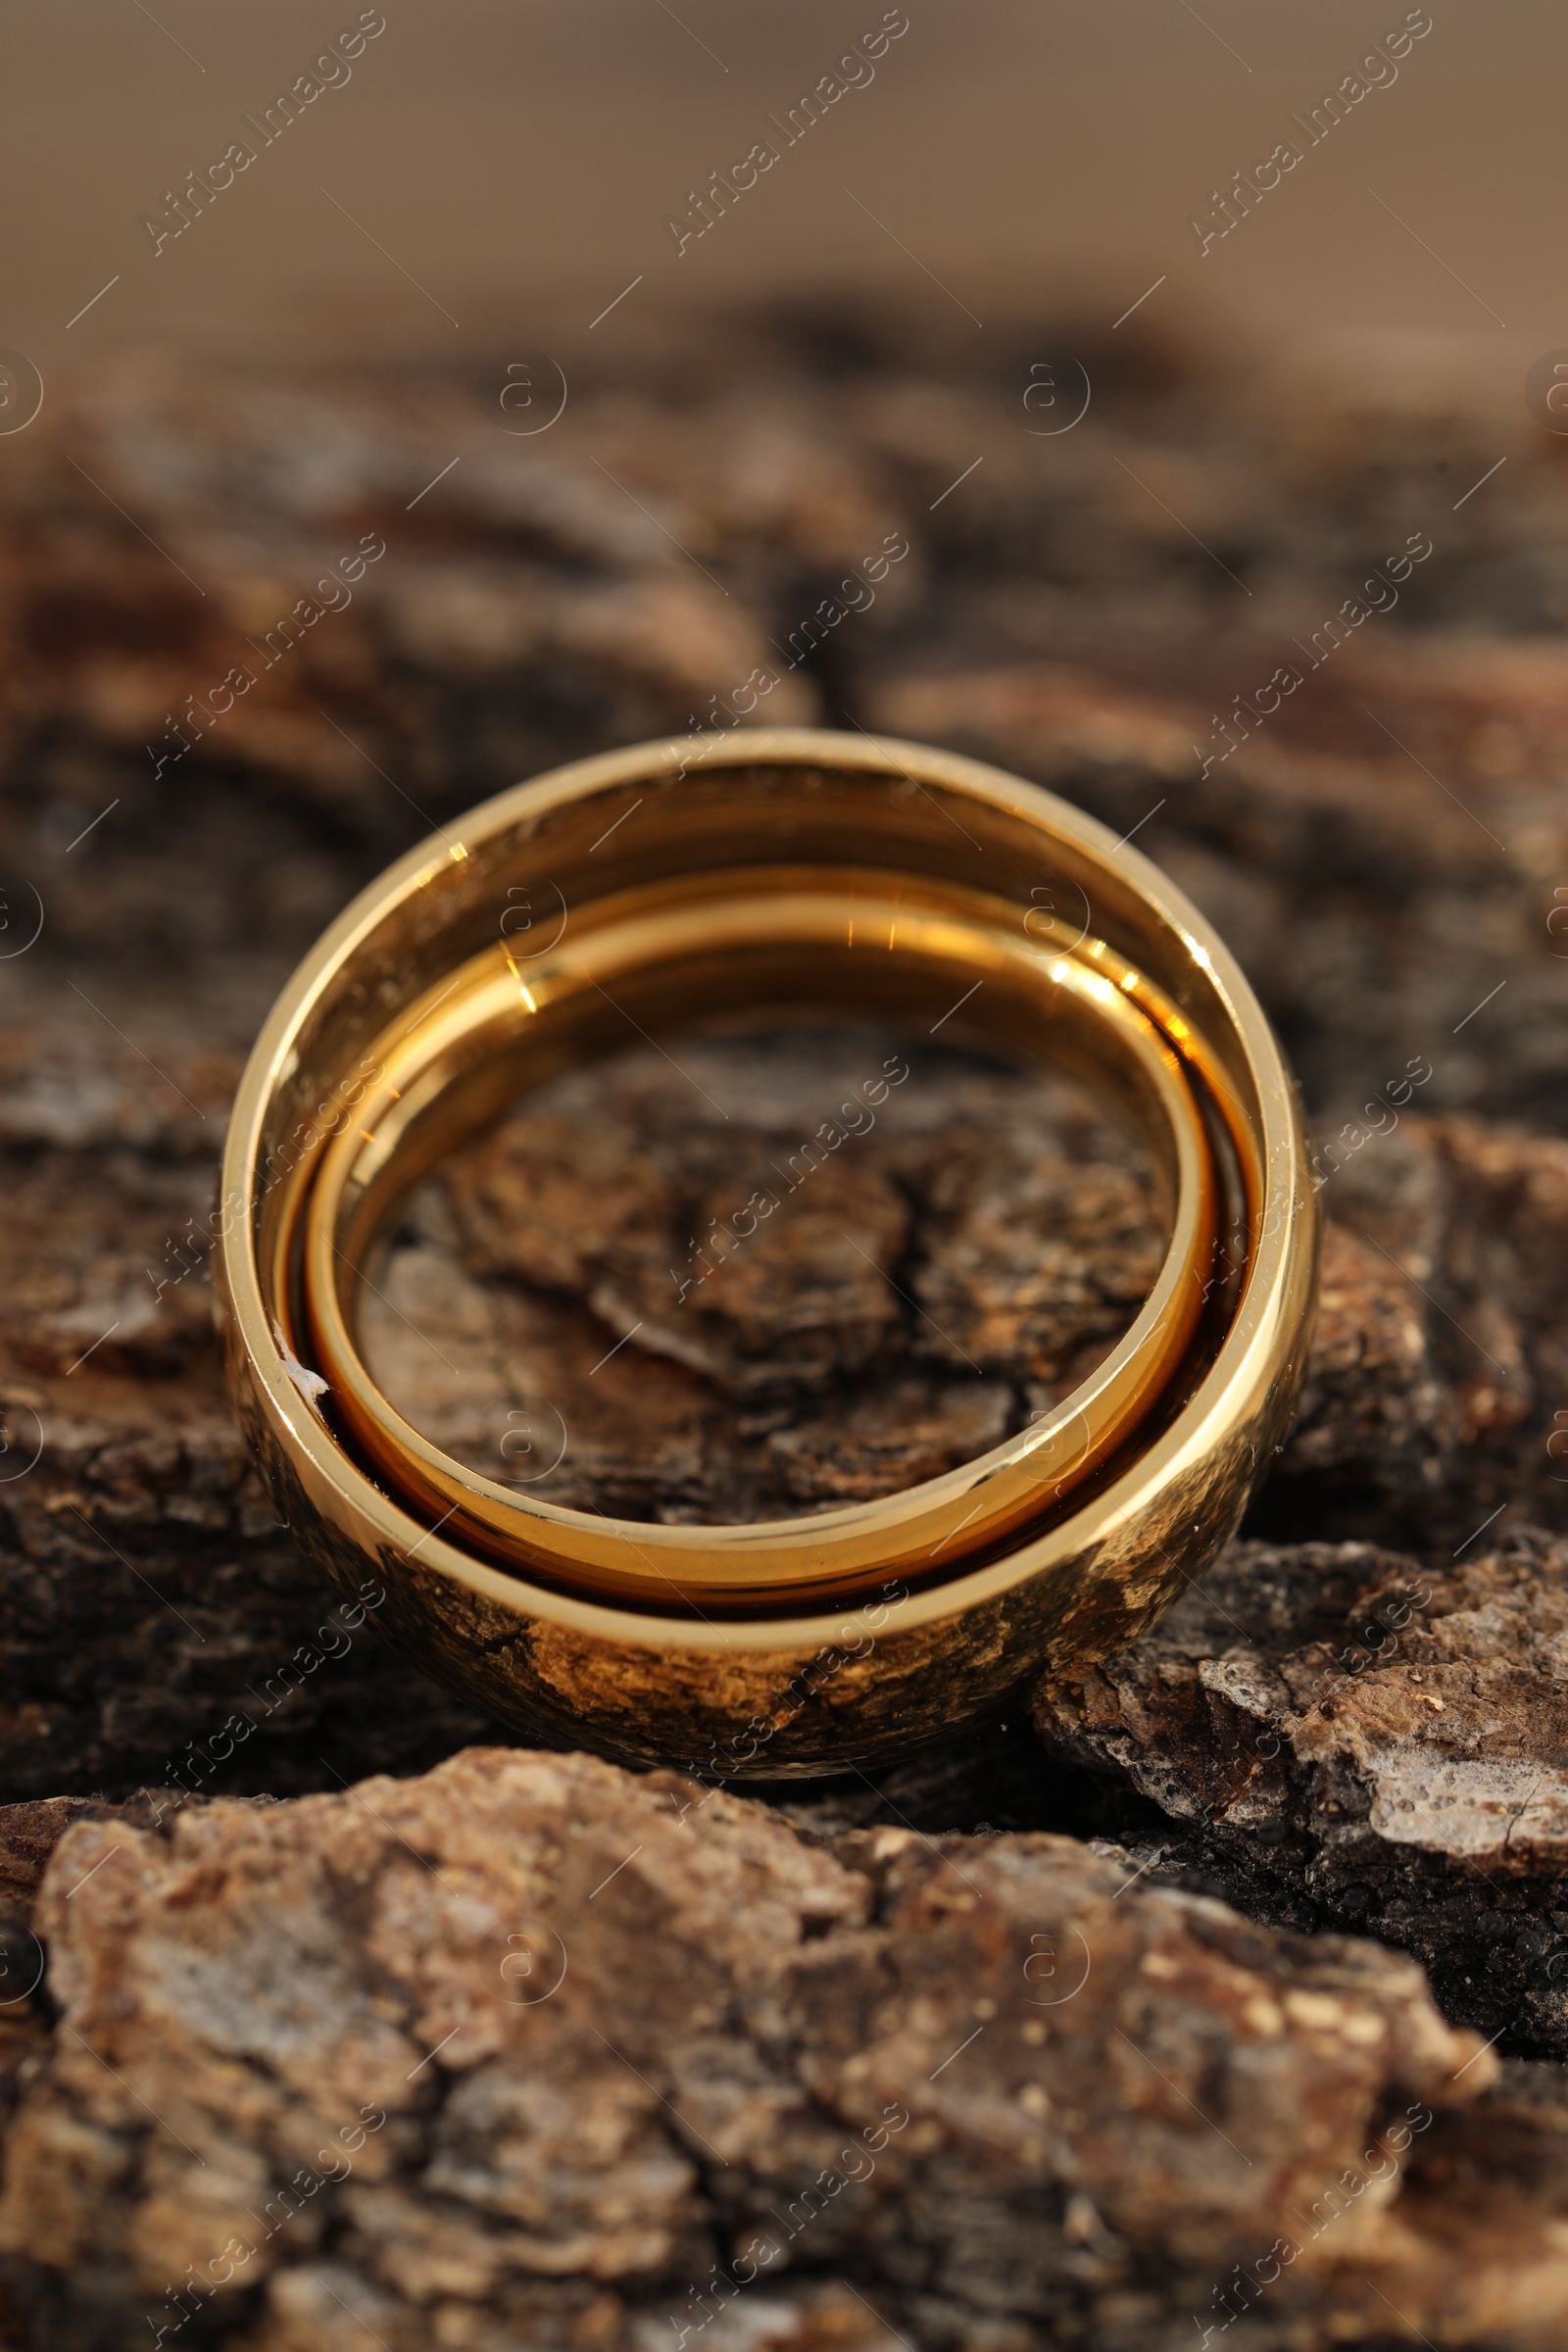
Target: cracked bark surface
<point>1383,852</point>
<point>453,2059</point>
<point>929,1300</point>
<point>1339,1735</point>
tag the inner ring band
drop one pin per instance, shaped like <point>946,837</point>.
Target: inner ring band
<point>901,943</point>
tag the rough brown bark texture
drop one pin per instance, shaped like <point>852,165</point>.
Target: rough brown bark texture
<point>453,2058</point>
<point>1352,1729</point>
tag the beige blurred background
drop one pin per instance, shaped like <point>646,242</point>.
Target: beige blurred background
<point>509,168</point>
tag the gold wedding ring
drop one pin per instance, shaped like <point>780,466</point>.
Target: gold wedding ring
<point>712,883</point>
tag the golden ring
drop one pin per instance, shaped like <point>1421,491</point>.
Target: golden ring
<point>749,872</point>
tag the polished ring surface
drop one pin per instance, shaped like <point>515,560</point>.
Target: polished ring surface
<point>742,876</point>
